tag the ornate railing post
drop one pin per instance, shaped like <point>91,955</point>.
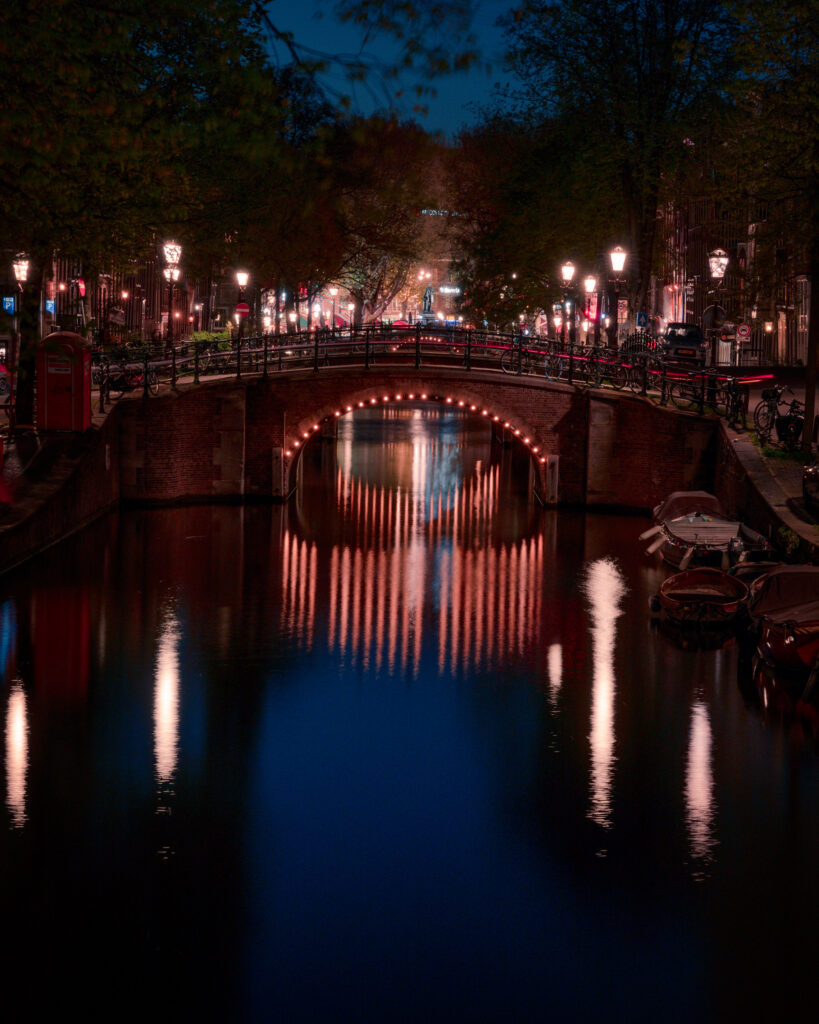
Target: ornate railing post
<point>417,346</point>
<point>265,342</point>
<point>469,350</point>
<point>570,377</point>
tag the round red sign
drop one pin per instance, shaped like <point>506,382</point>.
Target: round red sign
<point>242,308</point>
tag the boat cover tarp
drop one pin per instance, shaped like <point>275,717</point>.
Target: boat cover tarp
<point>680,503</point>
<point>788,592</point>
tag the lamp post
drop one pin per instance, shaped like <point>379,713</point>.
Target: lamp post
<point>241,281</point>
<point>617,256</point>
<point>590,284</point>
<point>171,275</point>
<point>173,254</point>
<point>20,266</point>
<point>333,293</point>
<point>717,265</point>
<point>567,273</point>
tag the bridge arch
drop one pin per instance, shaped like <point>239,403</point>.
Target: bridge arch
<point>510,425</point>
<point>239,439</point>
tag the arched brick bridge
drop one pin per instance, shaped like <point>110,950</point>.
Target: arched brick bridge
<point>238,439</point>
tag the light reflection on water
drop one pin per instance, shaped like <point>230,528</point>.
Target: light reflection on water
<point>16,754</point>
<point>379,738</point>
<point>605,589</point>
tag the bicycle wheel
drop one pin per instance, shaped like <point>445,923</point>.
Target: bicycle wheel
<point>116,384</point>
<point>153,382</point>
<point>554,366</point>
<point>764,418</point>
<point>510,360</point>
<point>616,374</point>
<point>684,395</point>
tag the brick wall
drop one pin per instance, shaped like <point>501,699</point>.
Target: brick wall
<point>218,440</point>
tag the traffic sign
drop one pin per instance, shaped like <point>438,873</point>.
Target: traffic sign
<point>743,331</point>
<point>242,309</point>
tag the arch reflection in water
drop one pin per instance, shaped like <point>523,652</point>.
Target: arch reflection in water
<point>605,589</point>
<point>430,532</point>
<point>699,788</point>
<point>16,754</point>
<point>166,711</point>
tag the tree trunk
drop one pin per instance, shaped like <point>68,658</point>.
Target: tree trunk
<point>813,334</point>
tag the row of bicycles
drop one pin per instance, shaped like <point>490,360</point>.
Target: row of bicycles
<point>776,418</point>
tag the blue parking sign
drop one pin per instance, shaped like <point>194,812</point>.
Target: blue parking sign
<point>642,319</point>
<point>8,304</point>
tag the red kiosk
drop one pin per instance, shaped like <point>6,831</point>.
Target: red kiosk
<point>64,382</point>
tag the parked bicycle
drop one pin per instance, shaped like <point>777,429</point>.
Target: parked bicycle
<point>787,423</point>
<point>120,379</point>
<point>520,359</point>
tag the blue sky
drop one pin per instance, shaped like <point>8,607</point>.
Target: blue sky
<point>450,109</point>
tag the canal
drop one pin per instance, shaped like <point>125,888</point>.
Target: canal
<point>405,749</point>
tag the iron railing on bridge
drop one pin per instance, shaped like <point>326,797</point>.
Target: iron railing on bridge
<point>638,368</point>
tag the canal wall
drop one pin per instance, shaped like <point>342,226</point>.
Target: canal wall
<point>73,479</point>
<point>750,488</point>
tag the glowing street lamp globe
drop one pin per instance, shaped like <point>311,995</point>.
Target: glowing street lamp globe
<point>241,278</point>
<point>567,272</point>
<point>718,264</point>
<point>618,259</point>
<point>590,284</point>
<point>172,252</point>
<point>20,265</point>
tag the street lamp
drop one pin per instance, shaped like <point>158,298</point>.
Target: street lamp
<point>241,281</point>
<point>567,273</point>
<point>590,284</point>
<point>172,252</point>
<point>333,293</point>
<point>717,265</point>
<point>171,275</point>
<point>617,256</point>
<point>20,265</point>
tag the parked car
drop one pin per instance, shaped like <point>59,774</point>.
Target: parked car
<point>685,343</point>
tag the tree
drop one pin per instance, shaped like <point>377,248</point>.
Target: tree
<point>639,77</point>
<point>522,213</point>
<point>776,128</point>
<point>382,184</point>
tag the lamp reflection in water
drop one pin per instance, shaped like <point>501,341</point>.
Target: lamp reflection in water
<point>555,672</point>
<point>16,754</point>
<point>166,713</point>
<point>699,789</point>
<point>605,589</point>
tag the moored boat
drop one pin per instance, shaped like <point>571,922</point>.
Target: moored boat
<point>783,607</point>
<point>701,597</point>
<point>692,529</point>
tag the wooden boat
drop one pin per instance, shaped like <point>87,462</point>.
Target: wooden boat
<point>701,597</point>
<point>784,609</point>
<point>692,529</point>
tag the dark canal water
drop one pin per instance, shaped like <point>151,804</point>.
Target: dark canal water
<point>405,750</point>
